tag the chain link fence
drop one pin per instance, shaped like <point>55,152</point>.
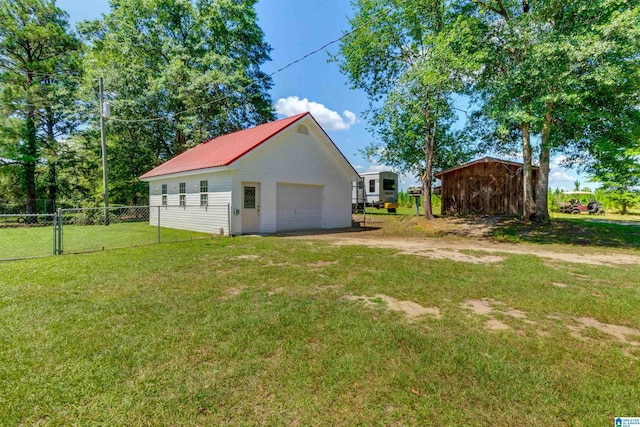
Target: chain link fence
<point>41,206</point>
<point>26,236</point>
<point>89,230</point>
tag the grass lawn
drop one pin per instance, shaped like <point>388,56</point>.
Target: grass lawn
<point>24,242</point>
<point>254,331</point>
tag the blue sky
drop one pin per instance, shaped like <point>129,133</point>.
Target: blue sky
<point>294,28</point>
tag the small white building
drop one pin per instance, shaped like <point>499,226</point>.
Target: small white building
<point>282,175</point>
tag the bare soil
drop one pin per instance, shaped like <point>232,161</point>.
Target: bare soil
<point>410,309</point>
<point>459,239</point>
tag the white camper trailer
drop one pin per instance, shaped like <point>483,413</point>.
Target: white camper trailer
<point>377,189</point>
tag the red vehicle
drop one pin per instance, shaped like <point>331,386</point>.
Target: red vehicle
<point>581,201</point>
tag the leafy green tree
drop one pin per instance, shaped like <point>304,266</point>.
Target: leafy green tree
<point>176,72</point>
<point>404,58</point>
<point>503,38</point>
<point>618,169</point>
<point>37,55</point>
<point>547,65</point>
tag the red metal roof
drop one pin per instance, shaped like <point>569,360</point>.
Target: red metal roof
<point>222,150</point>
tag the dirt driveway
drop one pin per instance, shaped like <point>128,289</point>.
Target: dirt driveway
<point>465,240</point>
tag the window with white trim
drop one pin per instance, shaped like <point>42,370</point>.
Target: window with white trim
<point>164,200</point>
<point>204,199</point>
<point>182,189</point>
<point>204,186</point>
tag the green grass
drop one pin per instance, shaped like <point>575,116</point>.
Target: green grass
<point>24,242</point>
<point>573,230</point>
<point>253,331</point>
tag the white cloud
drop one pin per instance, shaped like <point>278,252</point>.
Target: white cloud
<point>561,176</point>
<point>328,119</point>
<point>351,117</point>
<point>379,168</point>
<point>556,162</point>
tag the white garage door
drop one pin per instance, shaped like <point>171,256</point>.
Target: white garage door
<point>299,207</point>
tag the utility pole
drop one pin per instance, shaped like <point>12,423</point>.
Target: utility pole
<point>105,170</point>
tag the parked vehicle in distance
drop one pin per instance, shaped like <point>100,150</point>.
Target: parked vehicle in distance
<point>579,202</point>
<point>376,189</point>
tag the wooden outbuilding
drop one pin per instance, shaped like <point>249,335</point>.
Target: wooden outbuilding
<point>484,186</point>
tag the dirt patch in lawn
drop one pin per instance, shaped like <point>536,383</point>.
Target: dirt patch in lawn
<point>233,292</point>
<point>454,249</point>
<point>454,238</point>
<point>622,334</point>
<point>411,309</point>
<point>497,325</point>
<point>582,328</point>
<point>481,307</point>
<point>489,307</point>
<point>322,263</point>
<point>247,256</point>
<point>443,253</point>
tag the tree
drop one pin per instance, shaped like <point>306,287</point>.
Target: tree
<point>177,72</point>
<point>618,169</point>
<point>503,38</point>
<point>545,61</point>
<point>36,49</point>
<point>404,58</point>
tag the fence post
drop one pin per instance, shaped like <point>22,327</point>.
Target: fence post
<point>57,231</point>
<point>55,226</point>
<point>158,224</point>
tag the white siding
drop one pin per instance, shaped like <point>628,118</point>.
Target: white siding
<point>203,219</point>
<point>294,158</point>
<point>287,158</point>
<point>206,219</point>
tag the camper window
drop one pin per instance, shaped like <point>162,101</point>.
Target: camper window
<point>372,185</point>
<point>389,184</point>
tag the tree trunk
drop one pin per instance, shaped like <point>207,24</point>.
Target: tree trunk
<point>528,204</point>
<point>426,185</point>
<point>30,157</point>
<point>52,176</point>
<point>623,211</point>
<point>53,186</point>
<point>542,189</point>
<point>428,159</point>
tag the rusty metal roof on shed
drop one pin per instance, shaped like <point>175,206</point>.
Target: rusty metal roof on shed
<point>478,161</point>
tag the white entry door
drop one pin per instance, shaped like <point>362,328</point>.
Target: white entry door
<point>250,208</point>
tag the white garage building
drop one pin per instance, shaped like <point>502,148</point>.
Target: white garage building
<point>282,175</point>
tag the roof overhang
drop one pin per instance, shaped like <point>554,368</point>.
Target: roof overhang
<point>193,172</point>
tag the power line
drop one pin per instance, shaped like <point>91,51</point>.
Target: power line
<point>46,74</point>
<point>71,74</point>
<point>290,64</point>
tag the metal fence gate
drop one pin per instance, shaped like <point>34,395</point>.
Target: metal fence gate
<point>94,229</point>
